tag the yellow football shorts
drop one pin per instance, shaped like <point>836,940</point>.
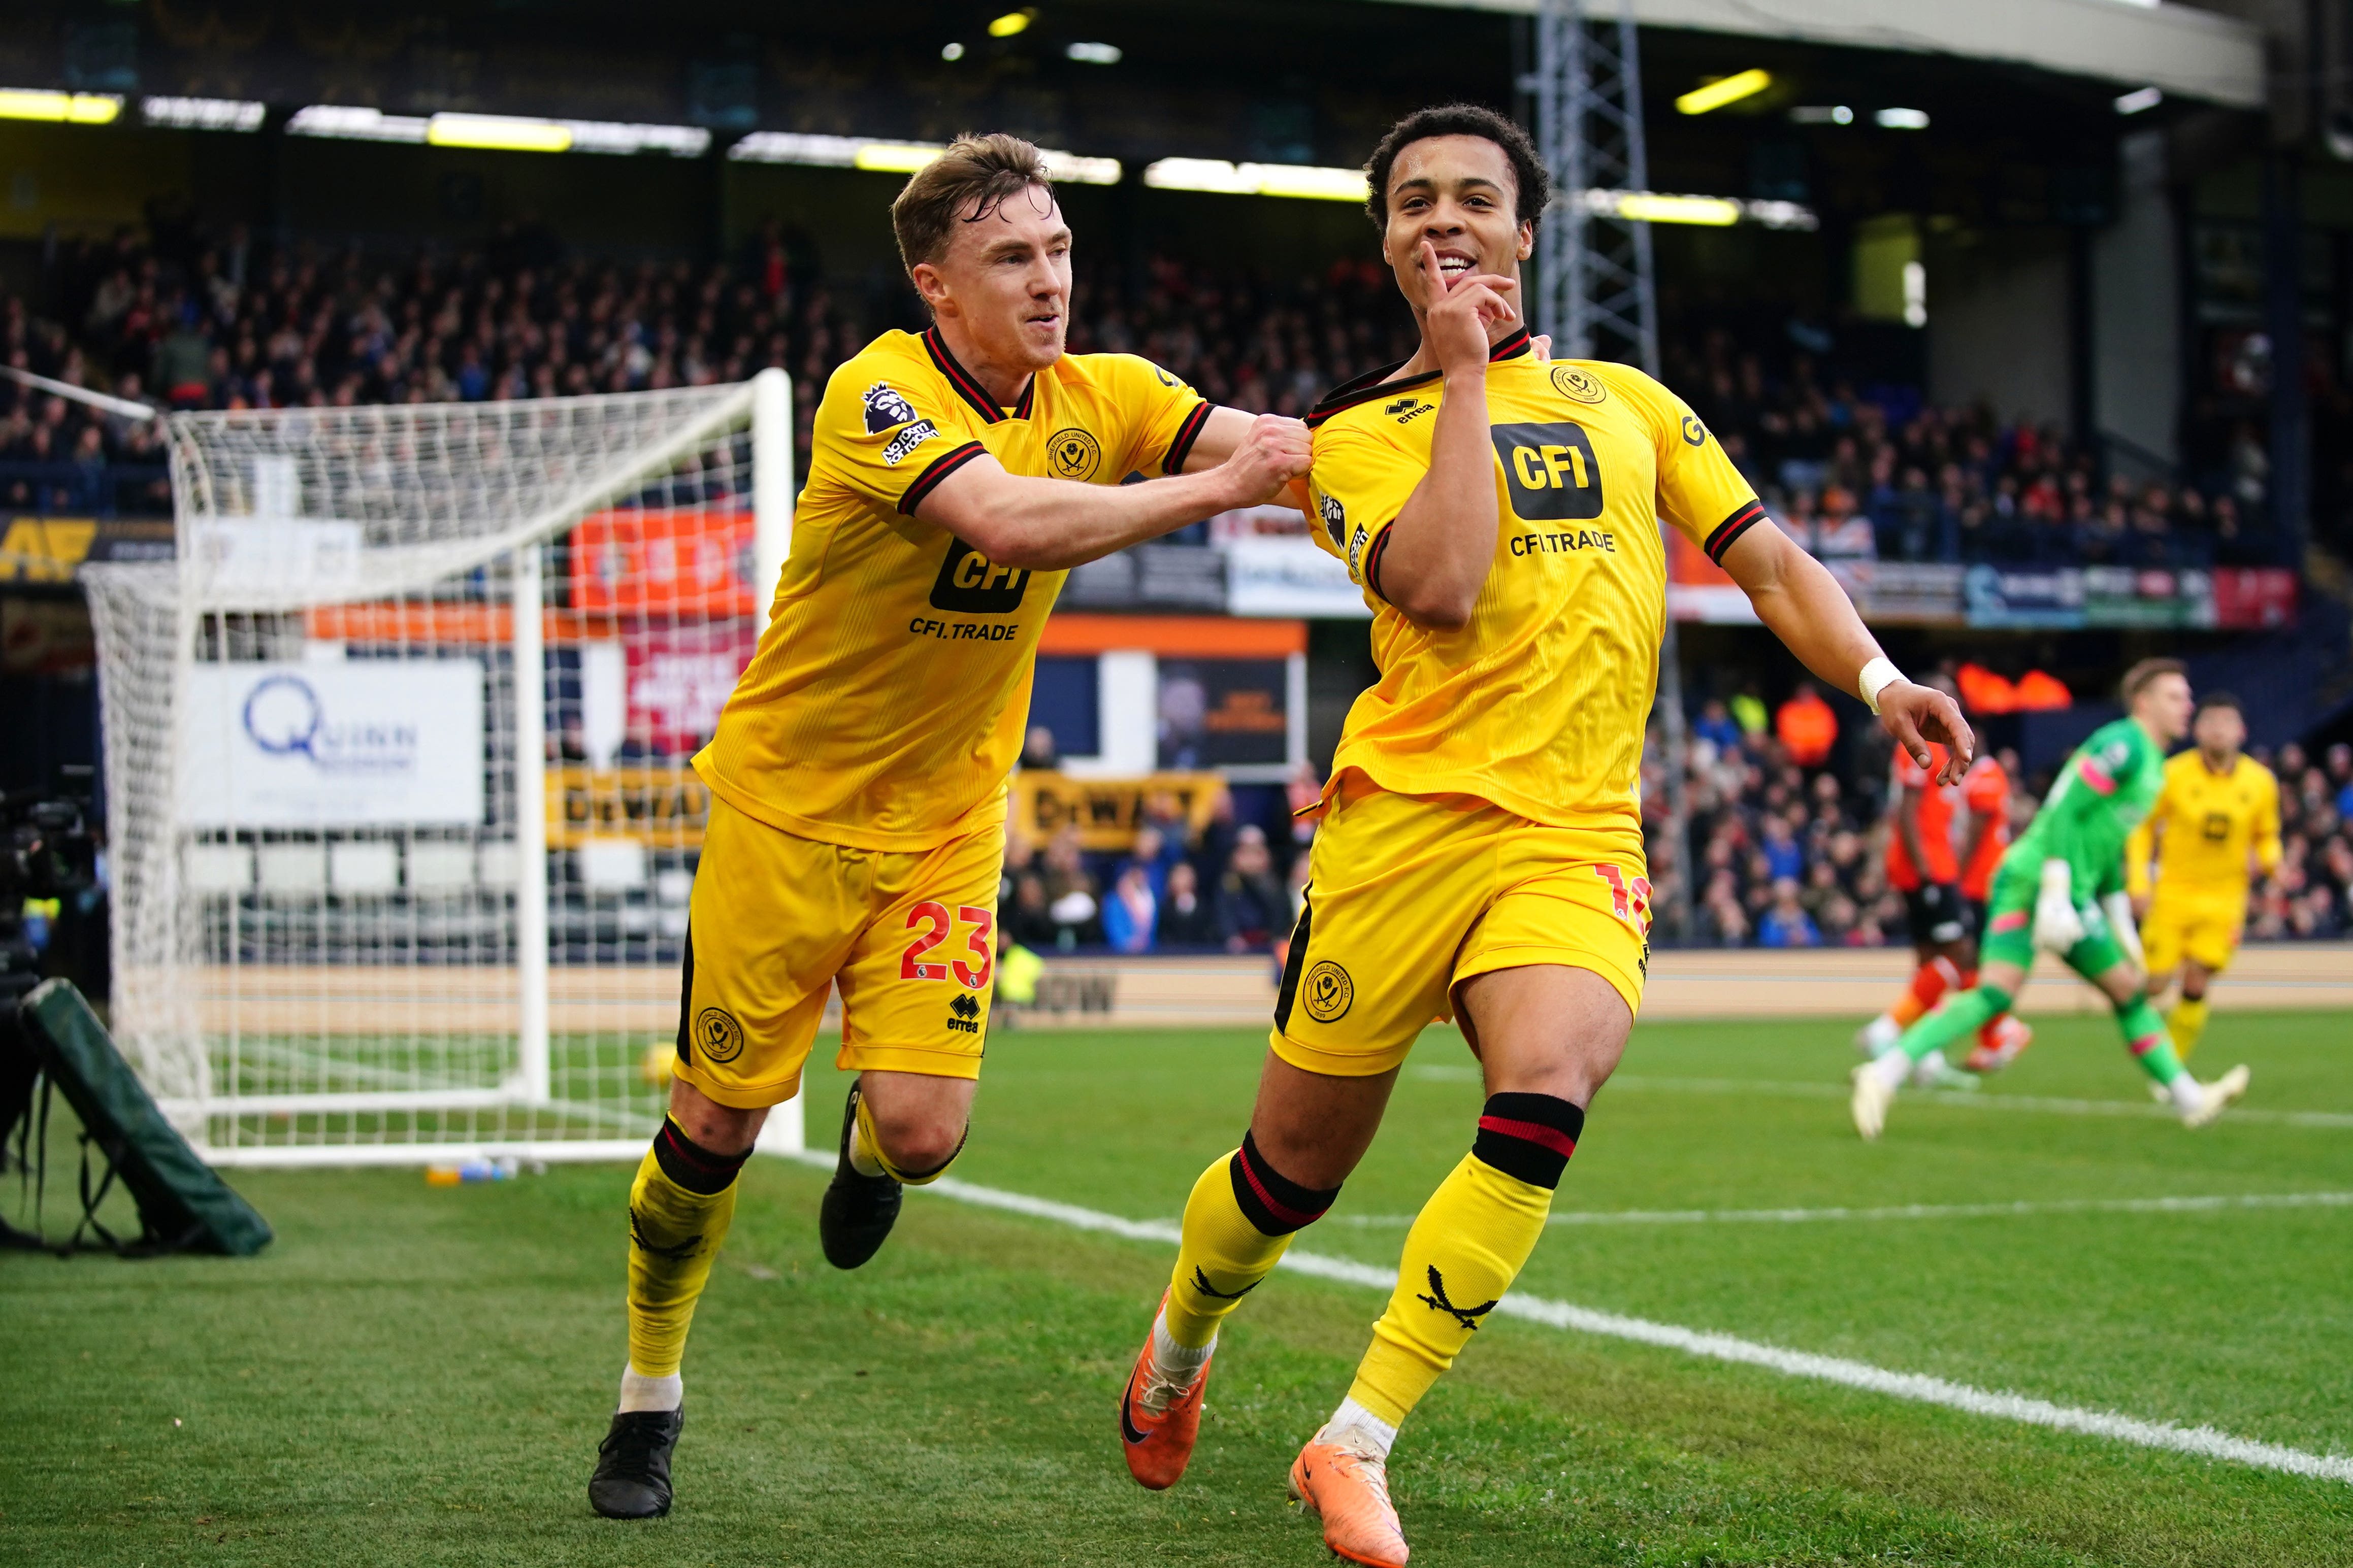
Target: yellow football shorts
<point>776,922</point>
<point>1409,895</point>
<point>2199,927</point>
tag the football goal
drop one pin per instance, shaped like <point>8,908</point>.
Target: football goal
<point>400,820</point>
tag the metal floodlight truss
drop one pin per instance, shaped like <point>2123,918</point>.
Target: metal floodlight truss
<point>1595,290</point>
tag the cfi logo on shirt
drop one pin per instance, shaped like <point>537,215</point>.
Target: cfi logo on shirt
<point>1074,454</point>
<point>972,583</point>
<point>1551,470</point>
<point>886,408</point>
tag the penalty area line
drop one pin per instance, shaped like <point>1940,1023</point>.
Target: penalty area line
<point>2201,1442</point>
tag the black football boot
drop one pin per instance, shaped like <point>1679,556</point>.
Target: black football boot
<point>858,1211</point>
<point>632,1476</point>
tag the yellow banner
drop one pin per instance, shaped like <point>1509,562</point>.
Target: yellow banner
<point>666,807</point>
<point>1107,811</point>
<point>45,549</point>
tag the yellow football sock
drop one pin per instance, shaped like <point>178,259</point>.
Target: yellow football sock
<point>1240,1218</point>
<point>679,1208</point>
<point>2185,1023</point>
<point>1466,1246</point>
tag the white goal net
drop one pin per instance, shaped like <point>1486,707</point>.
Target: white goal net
<point>400,819</point>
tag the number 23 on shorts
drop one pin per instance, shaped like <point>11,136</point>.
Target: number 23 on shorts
<point>934,920</point>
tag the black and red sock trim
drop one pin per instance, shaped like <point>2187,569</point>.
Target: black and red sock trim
<point>692,1165</point>
<point>1528,1136</point>
<point>1732,528</point>
<point>1271,1201</point>
<point>1187,434</point>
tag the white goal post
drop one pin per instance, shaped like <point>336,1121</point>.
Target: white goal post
<point>400,821</point>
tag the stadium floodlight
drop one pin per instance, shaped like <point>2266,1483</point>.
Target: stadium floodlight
<point>1649,206</point>
<point>1823,114</point>
<point>498,133</point>
<point>613,136</point>
<point>1095,54</point>
<point>898,157</point>
<point>951,51</point>
<point>1073,170</point>
<point>2140,98</point>
<point>1218,175</point>
<point>1902,118</point>
<point>365,915</point>
<point>1723,90</point>
<point>895,157</point>
<point>337,123</point>
<point>60,108</point>
<point>1012,22</point>
<point>203,113</point>
<point>1711,212</point>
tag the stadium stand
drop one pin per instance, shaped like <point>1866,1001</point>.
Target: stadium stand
<point>1778,853</point>
<point>1868,474</point>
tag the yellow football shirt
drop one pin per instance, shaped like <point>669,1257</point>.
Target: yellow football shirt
<point>1537,704</point>
<point>884,706</point>
<point>2211,821</point>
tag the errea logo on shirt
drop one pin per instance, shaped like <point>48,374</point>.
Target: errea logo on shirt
<point>1550,472</point>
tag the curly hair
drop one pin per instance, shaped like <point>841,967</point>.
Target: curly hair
<point>1528,171</point>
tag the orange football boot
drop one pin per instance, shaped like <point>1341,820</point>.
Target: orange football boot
<point>1158,1422</point>
<point>1350,1492</point>
<point>2011,1036</point>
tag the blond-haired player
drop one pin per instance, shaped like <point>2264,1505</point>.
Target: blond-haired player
<point>2216,819</point>
<point>859,770</point>
<point>1480,852</point>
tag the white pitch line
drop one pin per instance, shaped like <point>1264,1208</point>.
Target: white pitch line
<point>1440,1072</point>
<point>2202,1442</point>
<point>2193,1205</point>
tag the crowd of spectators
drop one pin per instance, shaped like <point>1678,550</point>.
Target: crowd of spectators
<point>1786,854</point>
<point>1879,476</point>
<point>1176,887</point>
<point>231,324</point>
<point>195,321</point>
<point>1782,849</point>
<point>2311,894</point>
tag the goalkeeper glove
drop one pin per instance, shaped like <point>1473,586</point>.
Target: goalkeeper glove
<point>2120,919</point>
<point>2057,926</point>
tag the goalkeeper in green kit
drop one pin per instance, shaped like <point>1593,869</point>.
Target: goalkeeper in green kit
<point>2061,890</point>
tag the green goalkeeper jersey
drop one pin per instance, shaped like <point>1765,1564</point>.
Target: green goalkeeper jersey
<point>2100,796</point>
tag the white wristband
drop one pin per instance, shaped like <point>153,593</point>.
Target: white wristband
<point>1877,677</point>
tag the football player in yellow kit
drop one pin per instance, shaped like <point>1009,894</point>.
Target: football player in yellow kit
<point>1480,854</point>
<point>2216,815</point>
<point>860,767</point>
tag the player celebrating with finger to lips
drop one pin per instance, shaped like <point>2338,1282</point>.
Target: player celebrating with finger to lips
<point>1480,854</point>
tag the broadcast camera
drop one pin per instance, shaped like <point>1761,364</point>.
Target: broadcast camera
<point>47,851</point>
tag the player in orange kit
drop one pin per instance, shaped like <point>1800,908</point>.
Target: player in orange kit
<point>1942,867</point>
<point>1985,795</point>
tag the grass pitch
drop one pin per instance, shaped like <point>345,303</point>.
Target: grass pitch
<point>418,1375</point>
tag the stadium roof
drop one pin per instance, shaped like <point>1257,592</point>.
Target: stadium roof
<point>2185,51</point>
